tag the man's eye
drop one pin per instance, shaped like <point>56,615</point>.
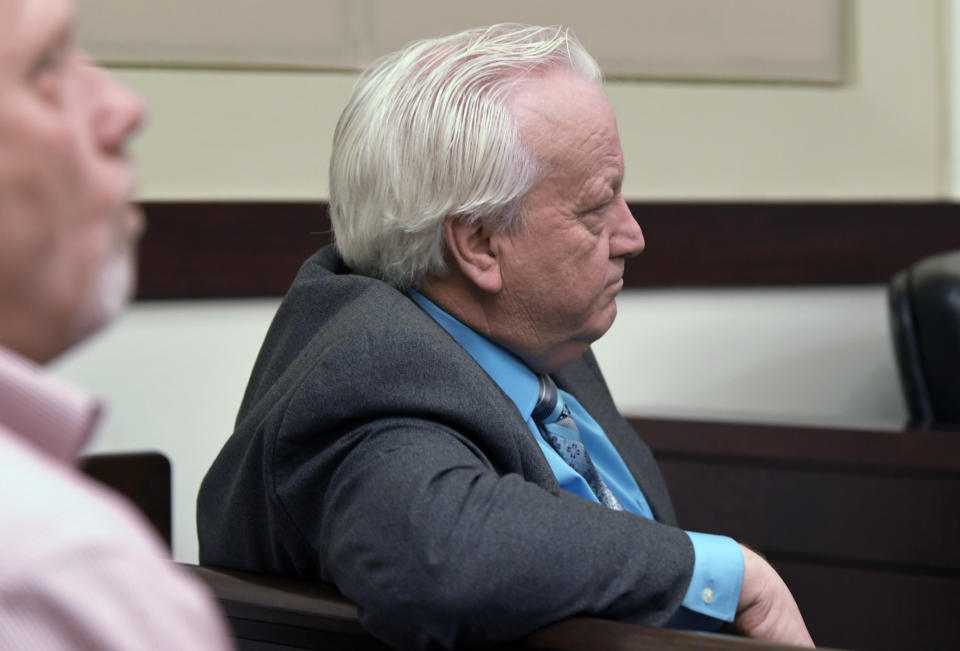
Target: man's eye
<point>47,75</point>
<point>52,61</point>
<point>598,211</point>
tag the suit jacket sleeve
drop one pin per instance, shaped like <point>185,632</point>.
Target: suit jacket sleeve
<point>439,549</point>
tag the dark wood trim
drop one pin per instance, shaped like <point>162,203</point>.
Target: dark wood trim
<point>239,249</point>
<point>720,244</point>
<point>861,450</point>
<point>227,249</point>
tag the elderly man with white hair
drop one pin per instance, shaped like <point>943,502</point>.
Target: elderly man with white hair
<point>426,426</point>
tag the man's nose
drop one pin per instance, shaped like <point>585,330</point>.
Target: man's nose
<point>119,112</point>
<point>626,238</point>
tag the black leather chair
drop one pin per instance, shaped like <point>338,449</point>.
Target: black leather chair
<point>924,305</point>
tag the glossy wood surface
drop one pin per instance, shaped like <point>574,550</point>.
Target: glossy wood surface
<point>862,525</point>
<point>288,613</point>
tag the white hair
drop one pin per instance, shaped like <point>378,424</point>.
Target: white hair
<point>427,134</point>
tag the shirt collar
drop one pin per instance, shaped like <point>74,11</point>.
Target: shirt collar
<point>511,375</point>
<point>52,414</point>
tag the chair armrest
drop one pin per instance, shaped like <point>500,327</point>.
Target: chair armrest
<point>141,477</point>
<point>315,607</point>
<point>313,615</point>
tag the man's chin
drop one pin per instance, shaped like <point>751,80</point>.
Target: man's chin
<point>137,221</point>
<point>105,301</point>
<point>605,320</point>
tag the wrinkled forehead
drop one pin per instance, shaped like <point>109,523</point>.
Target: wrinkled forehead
<point>558,109</point>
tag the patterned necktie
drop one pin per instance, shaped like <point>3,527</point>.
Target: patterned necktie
<point>556,425</point>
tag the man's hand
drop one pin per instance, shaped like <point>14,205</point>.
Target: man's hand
<point>767,610</point>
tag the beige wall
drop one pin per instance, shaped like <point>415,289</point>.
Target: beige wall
<point>883,134</point>
<point>788,40</point>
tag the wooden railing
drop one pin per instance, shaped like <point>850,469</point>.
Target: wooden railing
<point>862,524</point>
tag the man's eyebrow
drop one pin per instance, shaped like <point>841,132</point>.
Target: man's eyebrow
<point>61,37</point>
<point>47,51</point>
<point>56,38</point>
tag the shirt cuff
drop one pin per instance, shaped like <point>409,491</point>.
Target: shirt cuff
<point>714,590</point>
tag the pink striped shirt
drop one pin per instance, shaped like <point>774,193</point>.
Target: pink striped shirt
<point>79,566</point>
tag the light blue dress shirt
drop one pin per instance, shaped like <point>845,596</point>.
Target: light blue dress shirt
<point>718,565</point>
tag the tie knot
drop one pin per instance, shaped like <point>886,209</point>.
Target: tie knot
<point>549,405</point>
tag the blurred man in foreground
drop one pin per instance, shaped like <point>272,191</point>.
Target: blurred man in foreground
<point>426,426</point>
<point>79,567</point>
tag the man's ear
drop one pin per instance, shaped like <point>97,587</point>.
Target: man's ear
<point>470,249</point>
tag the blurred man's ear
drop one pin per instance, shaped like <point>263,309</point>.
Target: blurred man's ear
<point>470,246</point>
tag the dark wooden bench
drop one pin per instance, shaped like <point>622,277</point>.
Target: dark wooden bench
<point>862,524</point>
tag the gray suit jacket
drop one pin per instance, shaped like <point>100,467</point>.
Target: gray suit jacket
<point>372,451</point>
